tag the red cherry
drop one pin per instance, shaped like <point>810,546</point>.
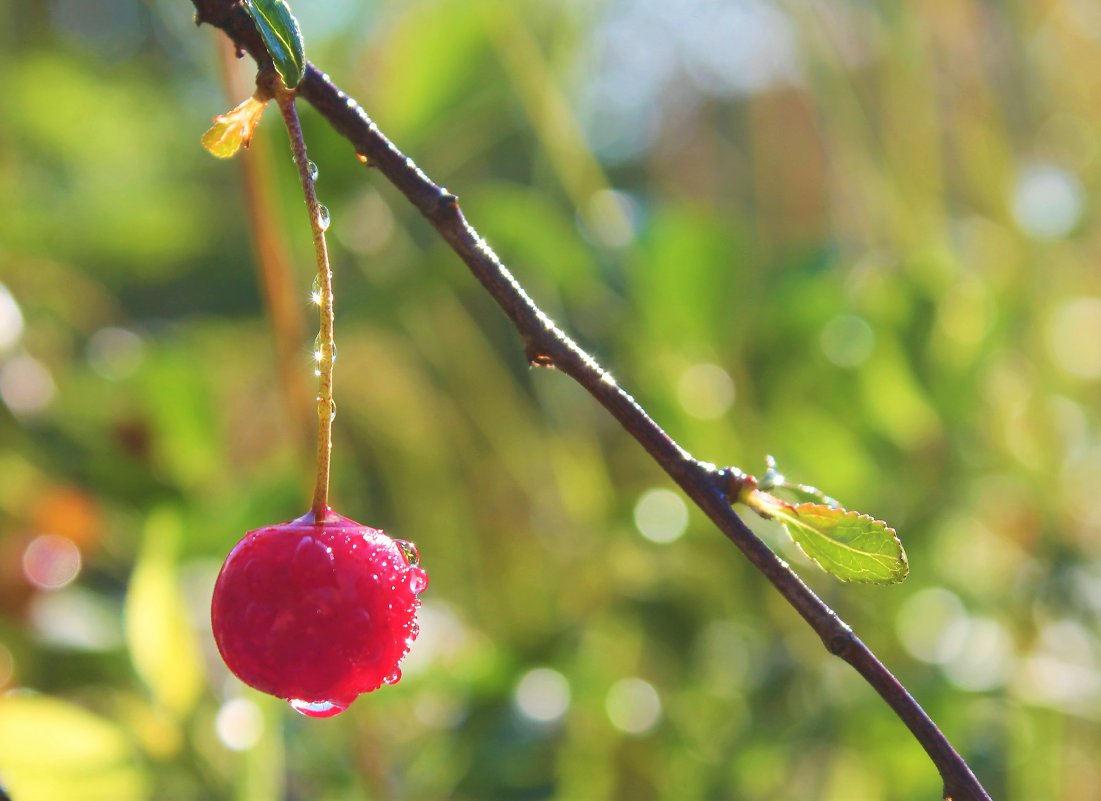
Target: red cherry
<point>317,612</point>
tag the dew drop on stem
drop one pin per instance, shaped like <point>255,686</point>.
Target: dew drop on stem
<point>311,168</point>
<point>315,290</point>
<point>323,218</point>
<point>318,351</point>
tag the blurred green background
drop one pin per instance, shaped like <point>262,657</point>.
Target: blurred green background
<point>859,236</point>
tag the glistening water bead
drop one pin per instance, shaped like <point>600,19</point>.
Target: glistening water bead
<point>317,613</point>
<point>323,218</point>
<point>318,355</point>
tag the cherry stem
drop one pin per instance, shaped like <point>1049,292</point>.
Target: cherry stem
<point>325,351</point>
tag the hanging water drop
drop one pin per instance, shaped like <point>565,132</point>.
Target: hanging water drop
<point>418,580</point>
<point>409,551</point>
<point>332,410</point>
<point>394,677</point>
<point>318,354</point>
<point>315,290</point>
<point>323,218</point>
<point>317,709</point>
<point>311,168</point>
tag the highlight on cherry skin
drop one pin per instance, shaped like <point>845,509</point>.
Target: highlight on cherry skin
<point>317,613</point>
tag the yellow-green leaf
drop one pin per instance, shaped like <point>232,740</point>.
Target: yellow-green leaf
<point>51,749</point>
<point>233,130</point>
<point>848,545</point>
<point>282,36</point>
<point>163,645</point>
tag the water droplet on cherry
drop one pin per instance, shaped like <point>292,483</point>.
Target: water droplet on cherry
<point>393,678</point>
<point>317,709</point>
<point>409,550</point>
<point>418,580</point>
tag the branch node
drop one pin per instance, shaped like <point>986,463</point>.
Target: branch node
<point>446,203</point>
<point>732,482</point>
<point>537,356</point>
<point>839,644</point>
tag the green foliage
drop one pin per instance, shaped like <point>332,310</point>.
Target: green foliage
<point>282,37</point>
<point>848,545</point>
<point>835,270</point>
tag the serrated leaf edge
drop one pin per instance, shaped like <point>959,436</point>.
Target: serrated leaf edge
<point>788,518</point>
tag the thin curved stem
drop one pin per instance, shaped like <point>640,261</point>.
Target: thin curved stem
<point>546,345</point>
<point>325,351</point>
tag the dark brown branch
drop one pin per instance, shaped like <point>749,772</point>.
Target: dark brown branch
<point>546,345</point>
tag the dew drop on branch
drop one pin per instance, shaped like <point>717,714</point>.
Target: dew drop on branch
<point>323,218</point>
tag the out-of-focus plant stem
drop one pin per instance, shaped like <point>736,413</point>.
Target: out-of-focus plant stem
<point>282,297</point>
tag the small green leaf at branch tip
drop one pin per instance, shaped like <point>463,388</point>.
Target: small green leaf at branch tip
<point>848,545</point>
<point>282,37</point>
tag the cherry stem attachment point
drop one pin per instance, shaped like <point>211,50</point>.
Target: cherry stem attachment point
<point>325,350</point>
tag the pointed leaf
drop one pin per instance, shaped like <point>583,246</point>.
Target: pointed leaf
<point>848,545</point>
<point>282,36</point>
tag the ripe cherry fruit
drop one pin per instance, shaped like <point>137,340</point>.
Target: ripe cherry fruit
<point>317,613</point>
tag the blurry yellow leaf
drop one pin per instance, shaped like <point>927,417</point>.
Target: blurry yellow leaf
<point>50,750</point>
<point>161,641</point>
<point>234,129</point>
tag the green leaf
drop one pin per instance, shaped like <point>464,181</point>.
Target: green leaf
<point>282,37</point>
<point>848,545</point>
